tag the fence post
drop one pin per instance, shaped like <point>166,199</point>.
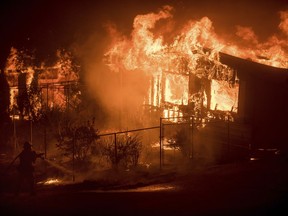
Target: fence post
<point>115,148</point>
<point>192,138</point>
<point>14,131</point>
<point>73,159</point>
<point>228,138</point>
<point>45,142</point>
<point>160,143</point>
<point>31,125</point>
<point>45,129</point>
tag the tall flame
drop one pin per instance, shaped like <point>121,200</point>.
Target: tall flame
<point>195,50</point>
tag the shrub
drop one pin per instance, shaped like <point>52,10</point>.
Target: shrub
<point>77,140</point>
<point>125,153</point>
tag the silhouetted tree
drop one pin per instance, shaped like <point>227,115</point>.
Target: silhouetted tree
<point>34,95</point>
<point>23,98</point>
<point>4,109</point>
<point>76,140</point>
<point>4,96</point>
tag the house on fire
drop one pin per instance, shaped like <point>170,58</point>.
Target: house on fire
<point>255,93</point>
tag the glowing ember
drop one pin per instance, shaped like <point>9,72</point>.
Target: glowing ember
<point>51,181</point>
<point>151,188</point>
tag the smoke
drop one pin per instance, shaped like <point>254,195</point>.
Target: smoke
<point>247,34</point>
<point>274,48</point>
<point>284,22</point>
<point>119,94</point>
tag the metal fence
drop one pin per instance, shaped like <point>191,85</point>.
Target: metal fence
<point>149,138</point>
<point>210,140</point>
<point>180,138</point>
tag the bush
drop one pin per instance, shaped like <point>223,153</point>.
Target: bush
<point>182,140</point>
<point>125,153</point>
<point>77,141</point>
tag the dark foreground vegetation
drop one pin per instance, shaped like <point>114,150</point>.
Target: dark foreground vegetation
<point>257,187</point>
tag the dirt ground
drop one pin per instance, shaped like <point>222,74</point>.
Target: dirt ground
<point>245,188</point>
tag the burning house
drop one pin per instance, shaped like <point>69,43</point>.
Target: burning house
<point>34,87</point>
<point>191,74</point>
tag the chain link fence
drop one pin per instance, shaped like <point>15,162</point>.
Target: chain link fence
<point>206,140</point>
<point>174,142</point>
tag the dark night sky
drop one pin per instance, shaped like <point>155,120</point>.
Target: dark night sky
<point>48,25</point>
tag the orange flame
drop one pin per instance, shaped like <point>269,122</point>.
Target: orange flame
<point>62,70</point>
<point>194,50</point>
